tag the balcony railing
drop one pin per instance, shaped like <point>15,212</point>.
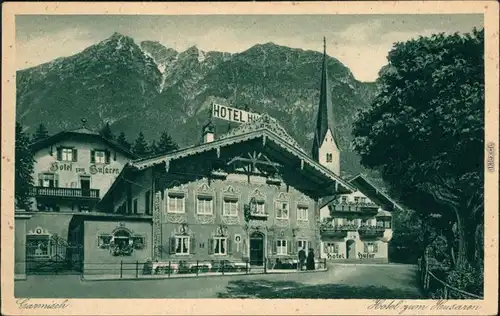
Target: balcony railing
<point>260,215</point>
<point>356,207</point>
<point>371,231</point>
<point>327,229</point>
<point>65,193</point>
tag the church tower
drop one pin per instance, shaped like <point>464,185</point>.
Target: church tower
<point>325,147</point>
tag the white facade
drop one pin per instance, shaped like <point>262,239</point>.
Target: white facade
<point>75,169</point>
<point>329,153</point>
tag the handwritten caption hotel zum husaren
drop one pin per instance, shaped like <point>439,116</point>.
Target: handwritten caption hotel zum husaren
<point>402,307</point>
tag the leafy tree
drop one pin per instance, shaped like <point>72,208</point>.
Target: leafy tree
<point>166,143</point>
<point>424,131</point>
<point>140,146</point>
<point>40,133</point>
<point>24,165</point>
<point>122,140</point>
<point>106,132</point>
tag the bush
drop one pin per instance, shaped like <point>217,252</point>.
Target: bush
<point>467,278</point>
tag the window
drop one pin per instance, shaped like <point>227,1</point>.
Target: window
<point>135,206</point>
<point>66,154</point>
<point>380,223</point>
<point>350,222</point>
<point>220,245</point>
<point>356,199</point>
<point>387,224</point>
<point>329,157</point>
<point>204,206</point>
<point>230,208</point>
<point>344,199</point>
<point>371,247</point>
<point>175,203</point>
<point>100,156</point>
<point>302,213</point>
<point>260,208</point>
<point>281,247</point>
<point>363,199</point>
<point>332,247</point>
<point>38,246</point>
<point>182,245</point>
<point>147,202</point>
<point>48,180</point>
<point>364,222</point>
<point>282,210</point>
<point>302,244</point>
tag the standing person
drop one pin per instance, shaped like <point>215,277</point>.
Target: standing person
<point>310,260</point>
<point>302,258</point>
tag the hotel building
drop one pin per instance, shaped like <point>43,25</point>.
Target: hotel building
<point>250,195</point>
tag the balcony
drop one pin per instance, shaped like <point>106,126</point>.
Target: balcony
<point>354,207</point>
<point>65,193</point>
<point>371,231</point>
<point>340,231</point>
<point>258,215</point>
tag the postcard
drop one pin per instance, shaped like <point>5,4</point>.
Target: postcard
<point>312,158</point>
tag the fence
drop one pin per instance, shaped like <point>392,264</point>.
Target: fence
<point>174,268</point>
<point>438,289</point>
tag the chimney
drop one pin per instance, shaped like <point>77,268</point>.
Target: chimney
<point>208,133</point>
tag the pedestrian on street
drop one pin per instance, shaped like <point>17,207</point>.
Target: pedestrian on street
<point>310,260</point>
<point>302,258</point>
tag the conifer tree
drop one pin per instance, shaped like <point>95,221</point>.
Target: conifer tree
<point>106,132</point>
<point>153,148</point>
<point>166,144</point>
<point>40,133</point>
<point>140,146</point>
<point>122,140</point>
<point>24,165</point>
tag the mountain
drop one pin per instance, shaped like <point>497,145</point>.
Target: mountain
<point>149,87</point>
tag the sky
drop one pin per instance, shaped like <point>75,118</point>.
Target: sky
<point>361,42</point>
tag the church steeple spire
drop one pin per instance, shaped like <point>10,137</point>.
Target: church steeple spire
<point>325,147</point>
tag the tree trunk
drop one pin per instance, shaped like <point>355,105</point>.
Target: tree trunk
<point>462,251</point>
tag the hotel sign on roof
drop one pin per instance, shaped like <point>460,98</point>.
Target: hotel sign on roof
<point>232,114</point>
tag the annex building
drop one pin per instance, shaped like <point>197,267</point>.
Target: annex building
<point>250,195</point>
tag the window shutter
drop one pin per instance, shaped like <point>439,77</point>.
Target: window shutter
<point>108,155</point>
<point>366,248</point>
<point>275,247</point>
<point>92,156</point>
<point>229,246</point>
<point>192,245</point>
<point>336,247</point>
<point>59,153</point>
<point>56,180</point>
<point>289,247</point>
<point>172,245</point>
<point>297,246</point>
<point>114,155</point>
<point>75,159</point>
<point>375,247</point>
<point>211,246</point>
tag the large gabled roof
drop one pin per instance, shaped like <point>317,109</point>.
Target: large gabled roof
<point>265,129</point>
<point>374,193</point>
<point>79,132</point>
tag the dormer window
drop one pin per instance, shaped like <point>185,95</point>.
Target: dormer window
<point>329,157</point>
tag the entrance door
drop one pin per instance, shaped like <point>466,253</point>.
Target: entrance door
<point>350,249</point>
<point>257,249</point>
<point>85,186</point>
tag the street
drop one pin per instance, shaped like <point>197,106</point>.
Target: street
<point>340,281</point>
